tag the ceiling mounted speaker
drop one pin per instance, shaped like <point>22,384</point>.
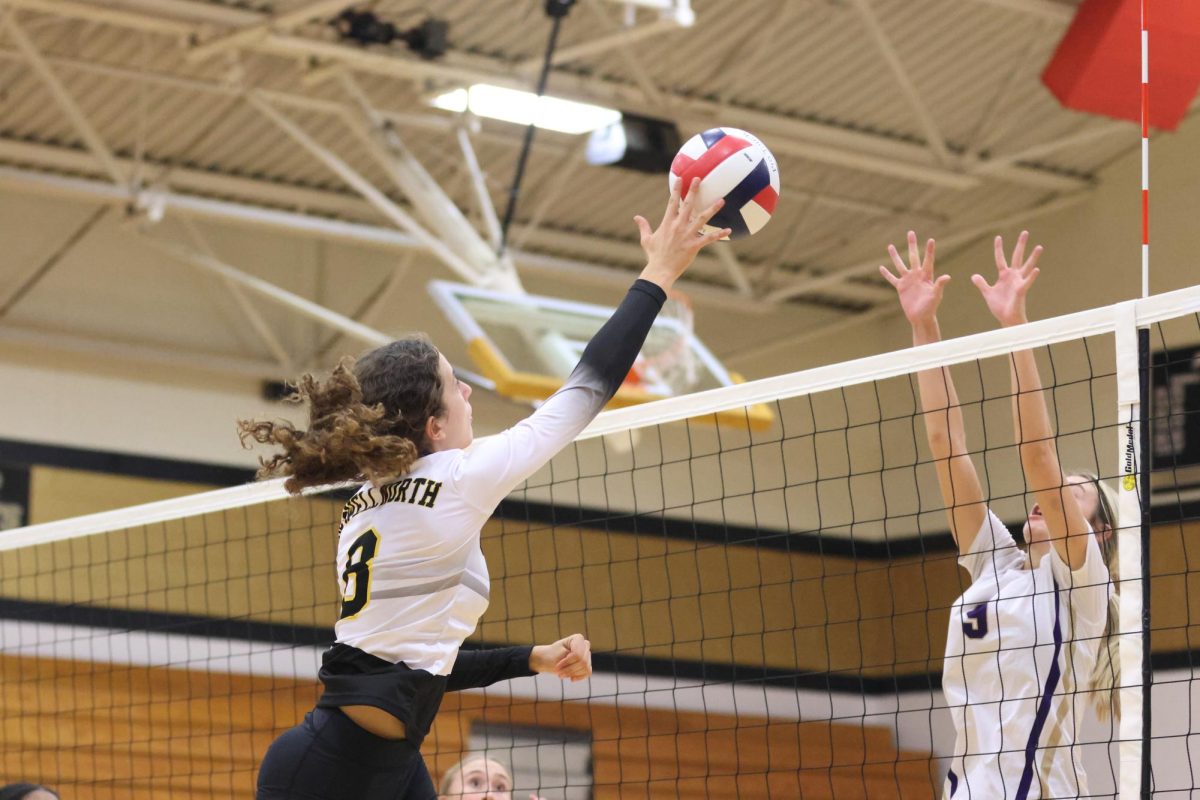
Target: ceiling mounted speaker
<point>639,143</point>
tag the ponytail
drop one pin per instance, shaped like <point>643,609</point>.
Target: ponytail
<point>366,419</point>
<point>1106,674</point>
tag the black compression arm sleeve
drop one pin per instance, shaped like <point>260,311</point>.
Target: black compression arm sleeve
<point>474,669</point>
<point>611,352</point>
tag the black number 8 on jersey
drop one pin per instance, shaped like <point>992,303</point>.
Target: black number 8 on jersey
<point>356,577</point>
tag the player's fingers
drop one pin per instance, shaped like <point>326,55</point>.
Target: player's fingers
<point>980,283</point>
<point>688,207</point>
<point>708,213</point>
<point>941,282</point>
<point>927,264</point>
<point>1018,256</point>
<point>1032,276</point>
<point>672,203</point>
<point>914,253</point>
<point>712,236</point>
<point>1031,264</point>
<point>644,230</point>
<point>998,247</point>
<point>901,269</point>
<point>888,276</point>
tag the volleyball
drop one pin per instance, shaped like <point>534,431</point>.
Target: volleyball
<point>735,165</point>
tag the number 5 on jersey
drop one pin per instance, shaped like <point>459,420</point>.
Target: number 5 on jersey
<point>977,628</point>
<point>356,577</point>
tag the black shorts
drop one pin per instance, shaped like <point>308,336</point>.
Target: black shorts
<point>328,757</point>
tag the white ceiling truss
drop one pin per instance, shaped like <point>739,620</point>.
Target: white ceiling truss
<point>879,132</point>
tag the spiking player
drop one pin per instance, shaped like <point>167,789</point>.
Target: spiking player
<point>414,582</point>
<point>1030,640</point>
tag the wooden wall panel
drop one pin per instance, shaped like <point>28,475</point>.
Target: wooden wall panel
<point>97,732</point>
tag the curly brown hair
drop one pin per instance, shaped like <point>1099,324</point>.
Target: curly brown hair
<point>366,420</point>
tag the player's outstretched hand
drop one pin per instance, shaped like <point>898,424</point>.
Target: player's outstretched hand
<point>1006,297</point>
<point>569,658</point>
<point>920,292</point>
<point>672,248</point>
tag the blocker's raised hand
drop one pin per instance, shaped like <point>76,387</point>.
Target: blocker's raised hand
<point>920,293</point>
<point>672,248</point>
<point>1006,297</point>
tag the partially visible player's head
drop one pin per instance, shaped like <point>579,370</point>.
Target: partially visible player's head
<point>371,418</point>
<point>476,777</point>
<point>1096,503</point>
<point>27,791</point>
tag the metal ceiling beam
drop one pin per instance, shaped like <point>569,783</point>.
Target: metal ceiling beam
<point>61,96</point>
<point>866,267</point>
<point>1048,9</point>
<point>357,233</point>
<point>25,283</point>
<point>602,44</point>
<point>66,159</point>
<point>498,132</point>
<point>483,198</point>
<point>375,304</point>
<point>432,120</point>
<point>282,195</point>
<point>629,59</point>
<point>815,141</point>
<point>820,142</point>
<point>260,325</point>
<point>129,353</point>
<point>192,11</point>
<point>378,199</point>
<point>933,136</point>
<point>71,9</point>
<point>270,291</point>
<point>280,22</point>
<point>1089,134</point>
<point>557,180</point>
<point>436,208</point>
<point>733,268</point>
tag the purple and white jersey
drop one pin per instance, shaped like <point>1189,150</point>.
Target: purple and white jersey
<point>1021,648</point>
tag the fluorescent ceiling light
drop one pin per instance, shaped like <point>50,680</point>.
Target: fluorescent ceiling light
<point>523,108</point>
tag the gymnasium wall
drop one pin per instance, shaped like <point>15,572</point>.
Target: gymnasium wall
<point>134,732</point>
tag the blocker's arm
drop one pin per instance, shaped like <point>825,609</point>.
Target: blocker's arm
<point>946,433</point>
<point>1065,520</point>
<point>1031,420</point>
<point>920,295</point>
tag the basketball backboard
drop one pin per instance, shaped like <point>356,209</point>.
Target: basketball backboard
<point>527,345</point>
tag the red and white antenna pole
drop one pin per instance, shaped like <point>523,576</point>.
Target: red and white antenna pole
<point>1145,154</point>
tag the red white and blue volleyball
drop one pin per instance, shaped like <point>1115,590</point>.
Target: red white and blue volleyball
<point>733,164</point>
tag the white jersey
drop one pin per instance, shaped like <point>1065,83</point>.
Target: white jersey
<point>1022,645</point>
<point>413,578</point>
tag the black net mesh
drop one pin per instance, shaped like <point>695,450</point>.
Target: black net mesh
<point>768,610</point>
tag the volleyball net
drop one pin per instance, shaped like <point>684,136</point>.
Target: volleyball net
<point>768,609</point>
